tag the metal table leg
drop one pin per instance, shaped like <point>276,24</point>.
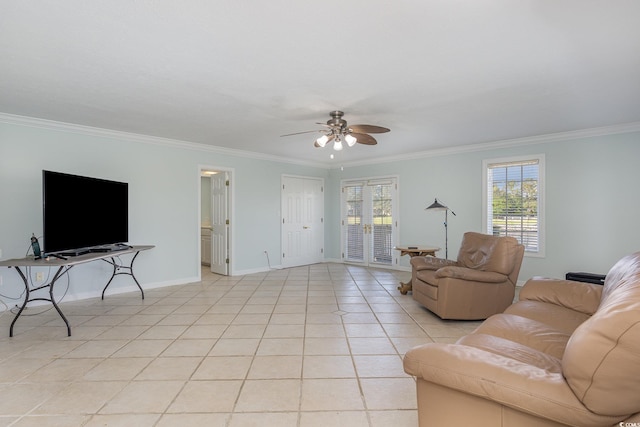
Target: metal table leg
<point>51,299</point>
<point>116,271</point>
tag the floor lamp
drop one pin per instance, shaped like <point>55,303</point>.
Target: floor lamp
<point>437,206</point>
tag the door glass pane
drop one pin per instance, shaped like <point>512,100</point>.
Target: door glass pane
<point>353,224</point>
<point>382,220</point>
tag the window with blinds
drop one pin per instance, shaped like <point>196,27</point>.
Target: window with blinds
<point>513,200</point>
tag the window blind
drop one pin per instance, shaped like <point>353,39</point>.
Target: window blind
<point>512,201</point>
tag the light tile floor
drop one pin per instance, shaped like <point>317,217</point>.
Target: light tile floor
<point>318,345</point>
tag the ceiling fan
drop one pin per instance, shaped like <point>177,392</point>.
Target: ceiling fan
<point>338,131</point>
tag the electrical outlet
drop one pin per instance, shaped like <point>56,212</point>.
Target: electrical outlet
<point>39,276</point>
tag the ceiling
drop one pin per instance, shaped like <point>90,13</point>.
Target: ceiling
<point>237,74</point>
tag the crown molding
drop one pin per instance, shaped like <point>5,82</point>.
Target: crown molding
<point>144,139</point>
<point>147,139</point>
<point>507,143</point>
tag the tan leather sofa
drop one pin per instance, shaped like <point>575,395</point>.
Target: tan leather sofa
<point>566,354</point>
<point>480,283</point>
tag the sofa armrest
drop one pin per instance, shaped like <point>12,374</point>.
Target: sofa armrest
<point>497,378</point>
<point>578,296</point>
<point>429,263</point>
<point>471,274</point>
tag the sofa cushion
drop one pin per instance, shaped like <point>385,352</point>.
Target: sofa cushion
<point>513,350</point>
<point>528,332</point>
<point>577,296</point>
<point>602,358</point>
<point>558,317</point>
<point>469,274</point>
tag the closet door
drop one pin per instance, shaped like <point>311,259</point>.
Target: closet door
<point>302,221</point>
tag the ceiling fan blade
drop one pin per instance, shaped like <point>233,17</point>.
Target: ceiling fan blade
<point>365,139</point>
<point>368,129</point>
<point>300,133</point>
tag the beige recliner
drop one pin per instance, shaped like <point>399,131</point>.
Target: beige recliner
<point>480,283</point>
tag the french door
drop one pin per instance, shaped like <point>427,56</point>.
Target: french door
<point>369,221</point>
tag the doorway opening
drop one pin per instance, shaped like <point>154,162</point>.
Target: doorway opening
<point>216,218</point>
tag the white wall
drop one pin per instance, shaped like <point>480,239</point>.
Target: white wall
<point>591,206</point>
<point>592,203</point>
<point>205,201</point>
<point>164,200</point>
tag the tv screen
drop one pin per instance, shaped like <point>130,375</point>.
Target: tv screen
<point>81,214</point>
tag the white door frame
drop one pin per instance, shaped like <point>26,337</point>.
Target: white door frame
<point>230,203</point>
<point>367,242</point>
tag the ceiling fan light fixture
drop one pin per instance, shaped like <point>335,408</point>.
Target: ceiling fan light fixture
<point>322,141</point>
<point>338,131</point>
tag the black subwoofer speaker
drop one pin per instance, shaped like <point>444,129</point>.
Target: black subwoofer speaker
<point>598,279</point>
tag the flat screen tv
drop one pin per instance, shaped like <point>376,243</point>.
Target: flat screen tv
<point>83,214</point>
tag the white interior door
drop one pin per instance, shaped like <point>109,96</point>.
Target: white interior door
<point>220,223</point>
<point>302,221</point>
<point>369,224</point>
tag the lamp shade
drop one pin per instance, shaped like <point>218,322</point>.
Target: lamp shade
<point>436,205</point>
<point>322,141</point>
<point>351,140</point>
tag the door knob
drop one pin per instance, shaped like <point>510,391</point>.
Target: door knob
<point>305,227</point>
